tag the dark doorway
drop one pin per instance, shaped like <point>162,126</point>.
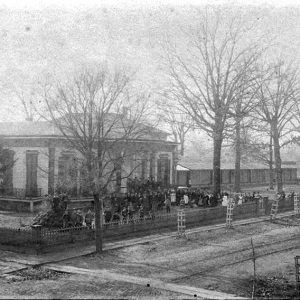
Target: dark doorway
<point>31,173</point>
<point>163,171</point>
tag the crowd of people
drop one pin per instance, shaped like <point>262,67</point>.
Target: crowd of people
<point>151,202</point>
<point>146,198</point>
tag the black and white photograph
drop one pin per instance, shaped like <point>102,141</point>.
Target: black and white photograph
<point>150,149</point>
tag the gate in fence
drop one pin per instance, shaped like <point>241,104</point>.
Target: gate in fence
<point>229,214</point>
<point>181,222</point>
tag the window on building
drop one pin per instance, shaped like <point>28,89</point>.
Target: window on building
<point>144,168</point>
<point>248,176</point>
<point>6,171</point>
<point>163,170</point>
<point>67,173</point>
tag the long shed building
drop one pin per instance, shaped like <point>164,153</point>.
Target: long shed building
<point>200,175</point>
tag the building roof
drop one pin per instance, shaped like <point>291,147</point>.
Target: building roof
<point>48,129</point>
<point>181,168</point>
<point>28,128</point>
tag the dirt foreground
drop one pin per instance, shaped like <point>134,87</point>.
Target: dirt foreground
<point>219,260</point>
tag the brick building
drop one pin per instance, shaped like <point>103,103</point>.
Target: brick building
<point>42,158</point>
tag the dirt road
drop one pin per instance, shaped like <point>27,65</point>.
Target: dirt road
<point>217,260</point>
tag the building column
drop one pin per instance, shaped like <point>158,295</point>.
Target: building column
<point>56,168</point>
<point>148,159</point>
<point>78,179</point>
<point>8,173</point>
<point>31,173</point>
<point>153,165</point>
<point>171,168</point>
<point>118,167</point>
<point>174,163</point>
<point>51,170</point>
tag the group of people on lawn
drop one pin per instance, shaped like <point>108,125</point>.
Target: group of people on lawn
<point>148,198</point>
<point>153,202</point>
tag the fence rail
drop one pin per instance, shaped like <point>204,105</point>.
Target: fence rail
<point>20,193</point>
<point>38,236</point>
<point>16,237</point>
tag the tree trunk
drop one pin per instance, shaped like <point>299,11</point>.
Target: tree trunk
<point>90,175</point>
<point>237,170</point>
<point>118,172</point>
<point>98,200</point>
<point>277,158</point>
<point>98,223</point>
<point>182,147</point>
<point>271,171</point>
<point>182,140</point>
<point>217,164</point>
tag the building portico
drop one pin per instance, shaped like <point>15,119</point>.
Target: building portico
<point>43,161</point>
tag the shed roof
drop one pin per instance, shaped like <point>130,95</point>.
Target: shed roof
<point>207,165</point>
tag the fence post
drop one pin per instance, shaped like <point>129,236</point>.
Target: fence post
<point>297,273</point>
<point>181,222</point>
<point>229,214</point>
<point>274,208</point>
<point>260,206</point>
<point>266,204</point>
<point>296,204</point>
<point>37,237</point>
<point>31,206</point>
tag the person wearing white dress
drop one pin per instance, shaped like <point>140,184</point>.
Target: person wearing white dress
<point>186,199</point>
<point>225,200</point>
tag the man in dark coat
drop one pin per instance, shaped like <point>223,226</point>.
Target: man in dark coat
<point>55,203</point>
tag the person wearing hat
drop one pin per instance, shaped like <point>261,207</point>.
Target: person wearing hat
<point>55,202</point>
<point>88,219</point>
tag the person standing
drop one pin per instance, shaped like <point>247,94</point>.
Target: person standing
<point>88,219</point>
<point>66,201</point>
<point>130,210</point>
<point>173,197</point>
<point>186,199</point>
<point>225,200</point>
<point>168,204</point>
<point>55,203</point>
<point>240,202</point>
<point>181,204</point>
<point>141,212</point>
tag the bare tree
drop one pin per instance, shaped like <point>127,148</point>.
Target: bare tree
<point>277,103</point>
<point>99,116</point>
<point>239,112</point>
<point>26,102</point>
<point>207,76</point>
<point>177,121</point>
<point>21,89</point>
<point>257,149</point>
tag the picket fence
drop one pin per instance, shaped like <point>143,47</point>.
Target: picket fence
<point>38,237</point>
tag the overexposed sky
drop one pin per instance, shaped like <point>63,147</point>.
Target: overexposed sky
<point>39,43</point>
<point>40,4</point>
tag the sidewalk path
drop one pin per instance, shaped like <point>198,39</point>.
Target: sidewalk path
<point>154,283</point>
<point>11,261</point>
<point>9,267</point>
